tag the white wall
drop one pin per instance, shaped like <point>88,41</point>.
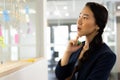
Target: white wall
<point>35,71</point>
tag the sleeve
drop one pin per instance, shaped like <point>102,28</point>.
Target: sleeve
<point>102,67</point>
<point>62,72</point>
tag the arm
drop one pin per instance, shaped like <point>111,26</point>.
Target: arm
<point>72,46</point>
<point>64,68</point>
<point>62,72</point>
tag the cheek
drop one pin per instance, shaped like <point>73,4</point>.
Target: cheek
<point>89,28</point>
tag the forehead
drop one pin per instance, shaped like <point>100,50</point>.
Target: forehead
<point>87,12</point>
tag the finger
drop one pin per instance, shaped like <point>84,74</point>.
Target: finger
<point>76,40</point>
<point>77,37</point>
<point>72,42</point>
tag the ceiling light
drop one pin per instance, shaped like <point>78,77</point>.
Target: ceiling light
<point>65,7</point>
<point>118,7</point>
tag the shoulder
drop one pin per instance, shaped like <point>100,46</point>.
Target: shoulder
<point>106,49</point>
<point>106,53</point>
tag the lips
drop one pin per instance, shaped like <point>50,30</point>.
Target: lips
<point>78,28</point>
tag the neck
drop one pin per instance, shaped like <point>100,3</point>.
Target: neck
<point>90,37</point>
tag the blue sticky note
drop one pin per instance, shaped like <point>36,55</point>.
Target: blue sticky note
<point>27,10</point>
<point>6,15</point>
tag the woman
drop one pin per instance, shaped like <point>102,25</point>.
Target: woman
<point>92,59</point>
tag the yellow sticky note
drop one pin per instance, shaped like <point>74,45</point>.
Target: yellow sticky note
<point>2,41</point>
<point>31,60</point>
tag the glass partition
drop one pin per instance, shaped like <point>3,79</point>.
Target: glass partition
<point>17,29</point>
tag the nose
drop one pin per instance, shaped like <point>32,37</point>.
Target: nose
<point>79,21</point>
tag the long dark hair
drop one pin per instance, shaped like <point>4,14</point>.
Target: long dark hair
<point>101,17</point>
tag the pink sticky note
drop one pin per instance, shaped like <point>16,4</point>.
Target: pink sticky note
<point>16,38</point>
<point>0,31</point>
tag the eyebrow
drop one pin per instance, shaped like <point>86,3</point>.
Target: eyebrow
<point>84,14</point>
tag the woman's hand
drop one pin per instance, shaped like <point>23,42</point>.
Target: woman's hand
<point>73,45</point>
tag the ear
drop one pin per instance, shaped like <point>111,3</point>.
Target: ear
<point>97,27</point>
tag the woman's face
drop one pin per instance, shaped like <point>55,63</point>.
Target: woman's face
<point>86,23</point>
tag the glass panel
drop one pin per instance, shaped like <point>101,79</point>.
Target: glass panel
<point>60,34</point>
<point>17,29</point>
<point>27,52</point>
<point>73,27</point>
<point>14,53</point>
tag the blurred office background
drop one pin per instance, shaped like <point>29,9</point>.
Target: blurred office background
<point>35,28</point>
<point>61,20</point>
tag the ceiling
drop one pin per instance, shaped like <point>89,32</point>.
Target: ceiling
<point>65,9</point>
<point>68,9</point>
<point>57,9</point>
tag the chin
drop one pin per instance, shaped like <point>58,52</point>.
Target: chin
<point>80,35</point>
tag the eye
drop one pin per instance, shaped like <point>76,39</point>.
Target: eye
<point>85,17</point>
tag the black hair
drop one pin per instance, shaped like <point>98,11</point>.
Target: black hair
<point>100,14</point>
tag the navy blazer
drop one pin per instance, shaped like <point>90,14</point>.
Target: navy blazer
<point>98,66</point>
